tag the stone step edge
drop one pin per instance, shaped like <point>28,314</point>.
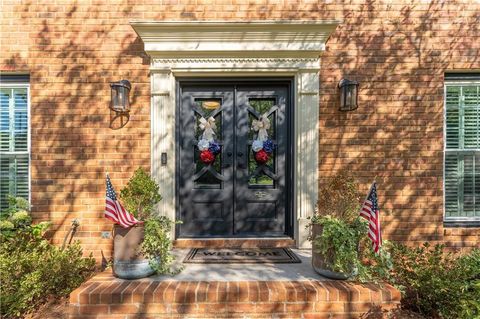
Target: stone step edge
<point>234,243</point>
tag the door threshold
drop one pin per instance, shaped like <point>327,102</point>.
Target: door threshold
<point>282,242</point>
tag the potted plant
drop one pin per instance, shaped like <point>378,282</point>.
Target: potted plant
<point>145,248</point>
<point>337,229</point>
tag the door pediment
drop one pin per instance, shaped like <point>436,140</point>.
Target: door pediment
<point>256,38</point>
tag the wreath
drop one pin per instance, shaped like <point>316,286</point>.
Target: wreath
<point>209,149</point>
<point>262,146</point>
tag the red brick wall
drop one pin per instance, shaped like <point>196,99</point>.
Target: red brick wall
<point>398,52</point>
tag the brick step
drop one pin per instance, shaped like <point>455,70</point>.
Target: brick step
<point>234,243</point>
<point>107,297</point>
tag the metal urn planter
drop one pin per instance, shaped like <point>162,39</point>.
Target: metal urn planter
<point>320,262</point>
<point>128,261</point>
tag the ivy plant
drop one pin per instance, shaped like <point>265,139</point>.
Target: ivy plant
<point>339,243</point>
<point>343,241</point>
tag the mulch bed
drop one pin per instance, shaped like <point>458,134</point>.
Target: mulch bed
<point>53,309</point>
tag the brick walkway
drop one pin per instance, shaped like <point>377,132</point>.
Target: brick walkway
<point>105,296</point>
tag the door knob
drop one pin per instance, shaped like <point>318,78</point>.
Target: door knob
<point>229,154</point>
<point>239,154</point>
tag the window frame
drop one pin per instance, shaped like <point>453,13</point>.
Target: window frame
<point>459,221</point>
<point>23,85</point>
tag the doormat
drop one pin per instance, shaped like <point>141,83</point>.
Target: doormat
<point>241,256</point>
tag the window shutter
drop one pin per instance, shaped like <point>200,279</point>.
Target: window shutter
<point>14,157</point>
<point>462,153</point>
<point>471,105</point>
<point>14,177</point>
<point>453,117</point>
<point>4,120</point>
<point>451,184</point>
<point>468,185</point>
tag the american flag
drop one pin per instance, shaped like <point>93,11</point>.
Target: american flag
<point>115,211</point>
<point>371,213</point>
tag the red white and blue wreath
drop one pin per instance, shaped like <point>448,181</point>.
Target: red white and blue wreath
<point>262,146</point>
<point>209,149</point>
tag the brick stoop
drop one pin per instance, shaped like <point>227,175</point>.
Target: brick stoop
<point>105,296</point>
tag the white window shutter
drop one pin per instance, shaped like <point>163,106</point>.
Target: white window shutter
<point>14,148</point>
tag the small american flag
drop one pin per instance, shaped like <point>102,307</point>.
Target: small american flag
<point>115,211</point>
<point>370,212</point>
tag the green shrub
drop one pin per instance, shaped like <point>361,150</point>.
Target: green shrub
<point>31,269</point>
<point>435,283</point>
<point>140,195</point>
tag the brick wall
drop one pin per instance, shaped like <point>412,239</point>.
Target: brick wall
<point>398,51</point>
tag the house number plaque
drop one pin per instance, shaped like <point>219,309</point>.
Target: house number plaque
<point>260,195</point>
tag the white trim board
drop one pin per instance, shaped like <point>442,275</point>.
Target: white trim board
<point>223,49</point>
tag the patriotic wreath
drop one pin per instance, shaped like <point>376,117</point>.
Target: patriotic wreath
<point>209,149</point>
<point>262,146</point>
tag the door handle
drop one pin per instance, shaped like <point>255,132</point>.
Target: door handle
<point>241,163</point>
<point>229,154</point>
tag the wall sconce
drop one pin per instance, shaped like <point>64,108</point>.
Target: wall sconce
<point>348,95</point>
<point>120,91</point>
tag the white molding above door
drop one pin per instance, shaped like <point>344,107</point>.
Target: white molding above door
<point>224,49</point>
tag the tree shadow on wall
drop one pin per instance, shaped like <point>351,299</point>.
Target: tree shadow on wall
<point>393,50</point>
<point>75,137</point>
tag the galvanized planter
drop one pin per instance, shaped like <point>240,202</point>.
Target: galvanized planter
<point>320,263</point>
<point>128,261</point>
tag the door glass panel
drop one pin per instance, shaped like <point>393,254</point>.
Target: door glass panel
<point>259,179</point>
<point>208,110</point>
<point>260,172</point>
<point>261,106</point>
<point>207,180</point>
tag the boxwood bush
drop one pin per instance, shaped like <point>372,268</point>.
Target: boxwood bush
<point>31,269</point>
<point>435,283</point>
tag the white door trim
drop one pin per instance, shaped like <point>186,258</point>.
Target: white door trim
<point>255,49</point>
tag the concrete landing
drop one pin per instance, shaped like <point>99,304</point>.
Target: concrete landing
<point>245,272</point>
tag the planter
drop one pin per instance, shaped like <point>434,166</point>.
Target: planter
<point>128,261</point>
<point>320,262</point>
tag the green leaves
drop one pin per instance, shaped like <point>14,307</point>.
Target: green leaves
<point>436,283</point>
<point>33,270</point>
<point>339,243</point>
<point>157,245</point>
<point>140,195</point>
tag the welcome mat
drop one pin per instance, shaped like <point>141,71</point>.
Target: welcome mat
<point>241,256</point>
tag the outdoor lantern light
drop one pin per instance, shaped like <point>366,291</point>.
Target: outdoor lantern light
<point>120,91</point>
<point>348,95</point>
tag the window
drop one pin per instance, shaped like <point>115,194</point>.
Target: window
<point>462,148</point>
<point>14,138</point>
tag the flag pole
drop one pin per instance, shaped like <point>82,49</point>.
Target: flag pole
<point>370,190</point>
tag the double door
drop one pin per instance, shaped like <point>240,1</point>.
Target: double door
<point>233,162</point>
